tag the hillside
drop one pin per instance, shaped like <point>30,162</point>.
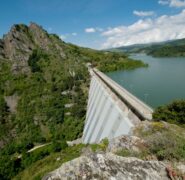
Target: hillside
<point>174,48</point>
<point>154,151</point>
<point>43,93</point>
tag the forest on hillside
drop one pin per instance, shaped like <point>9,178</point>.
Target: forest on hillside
<point>45,103</point>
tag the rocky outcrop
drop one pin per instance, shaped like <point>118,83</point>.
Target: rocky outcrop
<point>22,39</point>
<point>18,46</point>
<point>132,143</point>
<point>19,43</point>
<point>109,166</point>
<point>39,36</point>
<point>120,159</point>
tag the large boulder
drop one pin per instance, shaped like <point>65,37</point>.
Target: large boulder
<point>132,143</point>
<point>109,166</point>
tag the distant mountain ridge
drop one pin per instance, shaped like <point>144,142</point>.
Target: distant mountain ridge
<point>172,48</point>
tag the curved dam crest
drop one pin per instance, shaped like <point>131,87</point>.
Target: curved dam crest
<point>112,111</point>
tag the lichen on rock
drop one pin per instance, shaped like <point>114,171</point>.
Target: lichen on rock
<point>109,166</point>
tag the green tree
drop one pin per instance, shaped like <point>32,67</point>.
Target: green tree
<point>172,113</point>
<point>3,110</point>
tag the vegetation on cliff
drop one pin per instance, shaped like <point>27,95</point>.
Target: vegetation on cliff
<point>152,141</point>
<point>56,159</point>
<point>163,140</point>
<point>109,61</point>
<point>156,141</point>
<point>43,92</point>
<point>43,95</point>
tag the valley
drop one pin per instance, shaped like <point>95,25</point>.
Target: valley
<point>47,82</point>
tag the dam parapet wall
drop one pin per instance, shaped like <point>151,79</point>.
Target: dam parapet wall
<point>112,111</point>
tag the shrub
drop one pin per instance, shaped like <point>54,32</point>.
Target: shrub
<point>24,146</point>
<point>9,167</point>
<point>172,113</point>
<point>3,110</point>
<point>165,141</point>
<point>35,57</point>
<point>58,146</point>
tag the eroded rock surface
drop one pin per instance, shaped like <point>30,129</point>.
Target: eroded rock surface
<point>40,36</point>
<point>18,44</point>
<point>109,166</point>
<point>125,142</point>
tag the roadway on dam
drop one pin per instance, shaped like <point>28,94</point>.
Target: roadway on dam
<point>112,111</point>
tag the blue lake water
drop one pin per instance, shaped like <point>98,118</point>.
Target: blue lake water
<point>161,83</point>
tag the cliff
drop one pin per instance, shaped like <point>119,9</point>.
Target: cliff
<point>19,43</point>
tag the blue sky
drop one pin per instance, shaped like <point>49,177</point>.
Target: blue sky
<point>99,23</point>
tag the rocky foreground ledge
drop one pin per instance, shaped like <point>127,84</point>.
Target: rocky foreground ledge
<point>109,166</point>
<point>153,152</point>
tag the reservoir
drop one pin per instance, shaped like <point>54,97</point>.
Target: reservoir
<point>161,83</point>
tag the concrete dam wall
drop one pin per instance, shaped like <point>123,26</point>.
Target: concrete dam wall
<point>112,111</point>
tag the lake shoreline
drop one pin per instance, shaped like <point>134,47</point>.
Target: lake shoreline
<point>158,84</point>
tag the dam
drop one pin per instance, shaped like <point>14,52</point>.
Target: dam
<point>112,111</point>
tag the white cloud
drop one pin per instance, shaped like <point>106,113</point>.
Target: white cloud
<point>163,2</point>
<point>93,30</point>
<point>90,30</point>
<point>177,3</point>
<point>173,3</point>
<point>74,34</point>
<point>148,30</point>
<point>143,13</point>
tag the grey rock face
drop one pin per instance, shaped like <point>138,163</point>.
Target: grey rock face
<point>20,42</point>
<point>39,36</point>
<point>125,142</point>
<point>109,166</point>
<point>18,46</point>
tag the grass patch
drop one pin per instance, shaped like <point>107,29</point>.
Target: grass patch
<point>42,167</point>
<point>165,141</point>
<point>100,147</point>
